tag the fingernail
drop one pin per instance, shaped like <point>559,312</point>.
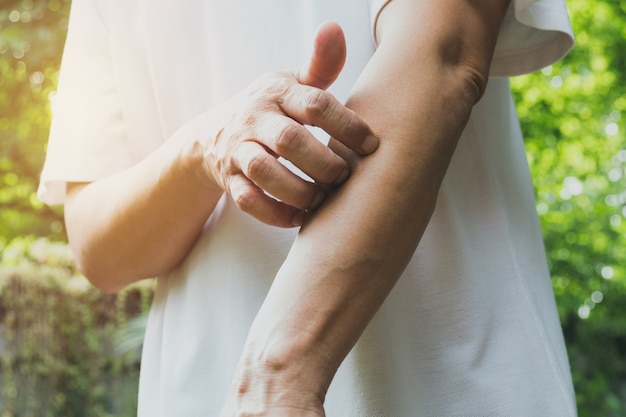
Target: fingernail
<point>317,201</point>
<point>370,143</point>
<point>298,219</point>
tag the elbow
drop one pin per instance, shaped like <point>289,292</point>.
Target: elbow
<point>463,84</point>
<point>106,271</point>
<point>466,63</point>
<point>101,268</point>
<point>97,274</point>
<point>103,272</point>
<point>473,79</point>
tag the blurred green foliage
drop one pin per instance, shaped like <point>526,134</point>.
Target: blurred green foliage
<point>64,346</point>
<point>573,117</point>
<point>32,33</point>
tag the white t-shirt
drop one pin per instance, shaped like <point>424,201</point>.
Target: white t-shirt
<point>470,329</point>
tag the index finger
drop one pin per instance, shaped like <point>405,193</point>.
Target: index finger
<point>315,107</point>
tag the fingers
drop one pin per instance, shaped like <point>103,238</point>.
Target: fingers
<point>327,58</point>
<point>265,188</point>
<point>267,122</point>
<point>268,174</point>
<point>315,107</point>
<point>292,141</point>
<point>252,200</point>
<point>309,104</point>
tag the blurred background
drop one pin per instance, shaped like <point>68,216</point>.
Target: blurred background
<point>69,350</point>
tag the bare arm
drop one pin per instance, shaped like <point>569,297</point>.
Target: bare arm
<point>416,93</point>
<point>143,221</point>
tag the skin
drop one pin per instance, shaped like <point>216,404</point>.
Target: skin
<point>416,94</point>
<point>230,149</point>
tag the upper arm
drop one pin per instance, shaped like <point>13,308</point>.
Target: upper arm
<point>430,67</point>
<point>459,35</point>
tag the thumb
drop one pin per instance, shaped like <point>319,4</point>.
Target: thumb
<point>327,59</point>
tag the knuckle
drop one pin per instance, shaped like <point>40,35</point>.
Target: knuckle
<point>352,127</point>
<point>334,171</point>
<point>245,202</point>
<point>250,119</point>
<point>303,197</point>
<point>269,88</point>
<point>276,89</point>
<point>287,138</point>
<point>227,163</point>
<point>317,103</point>
<point>258,166</point>
<point>244,198</point>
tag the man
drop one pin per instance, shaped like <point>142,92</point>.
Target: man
<point>176,168</point>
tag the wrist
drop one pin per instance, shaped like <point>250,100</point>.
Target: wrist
<point>190,152</point>
<point>192,160</point>
<point>281,372</point>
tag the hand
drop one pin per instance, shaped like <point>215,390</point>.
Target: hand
<point>267,120</point>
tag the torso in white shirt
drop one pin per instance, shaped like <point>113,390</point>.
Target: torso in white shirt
<point>471,328</point>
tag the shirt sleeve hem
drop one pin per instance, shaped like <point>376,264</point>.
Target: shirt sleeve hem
<point>376,6</point>
<point>51,190</point>
<point>531,59</point>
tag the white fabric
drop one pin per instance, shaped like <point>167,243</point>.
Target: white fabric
<point>471,328</point>
<point>534,34</point>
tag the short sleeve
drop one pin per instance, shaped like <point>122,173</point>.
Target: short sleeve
<point>534,34</point>
<point>87,137</point>
<point>376,6</point>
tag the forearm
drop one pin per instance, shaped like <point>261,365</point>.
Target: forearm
<point>142,222</point>
<point>348,257</point>
<point>352,251</point>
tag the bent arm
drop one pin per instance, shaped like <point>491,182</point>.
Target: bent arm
<point>143,221</point>
<point>416,94</point>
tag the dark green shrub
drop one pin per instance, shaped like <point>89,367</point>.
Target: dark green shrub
<point>58,337</point>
